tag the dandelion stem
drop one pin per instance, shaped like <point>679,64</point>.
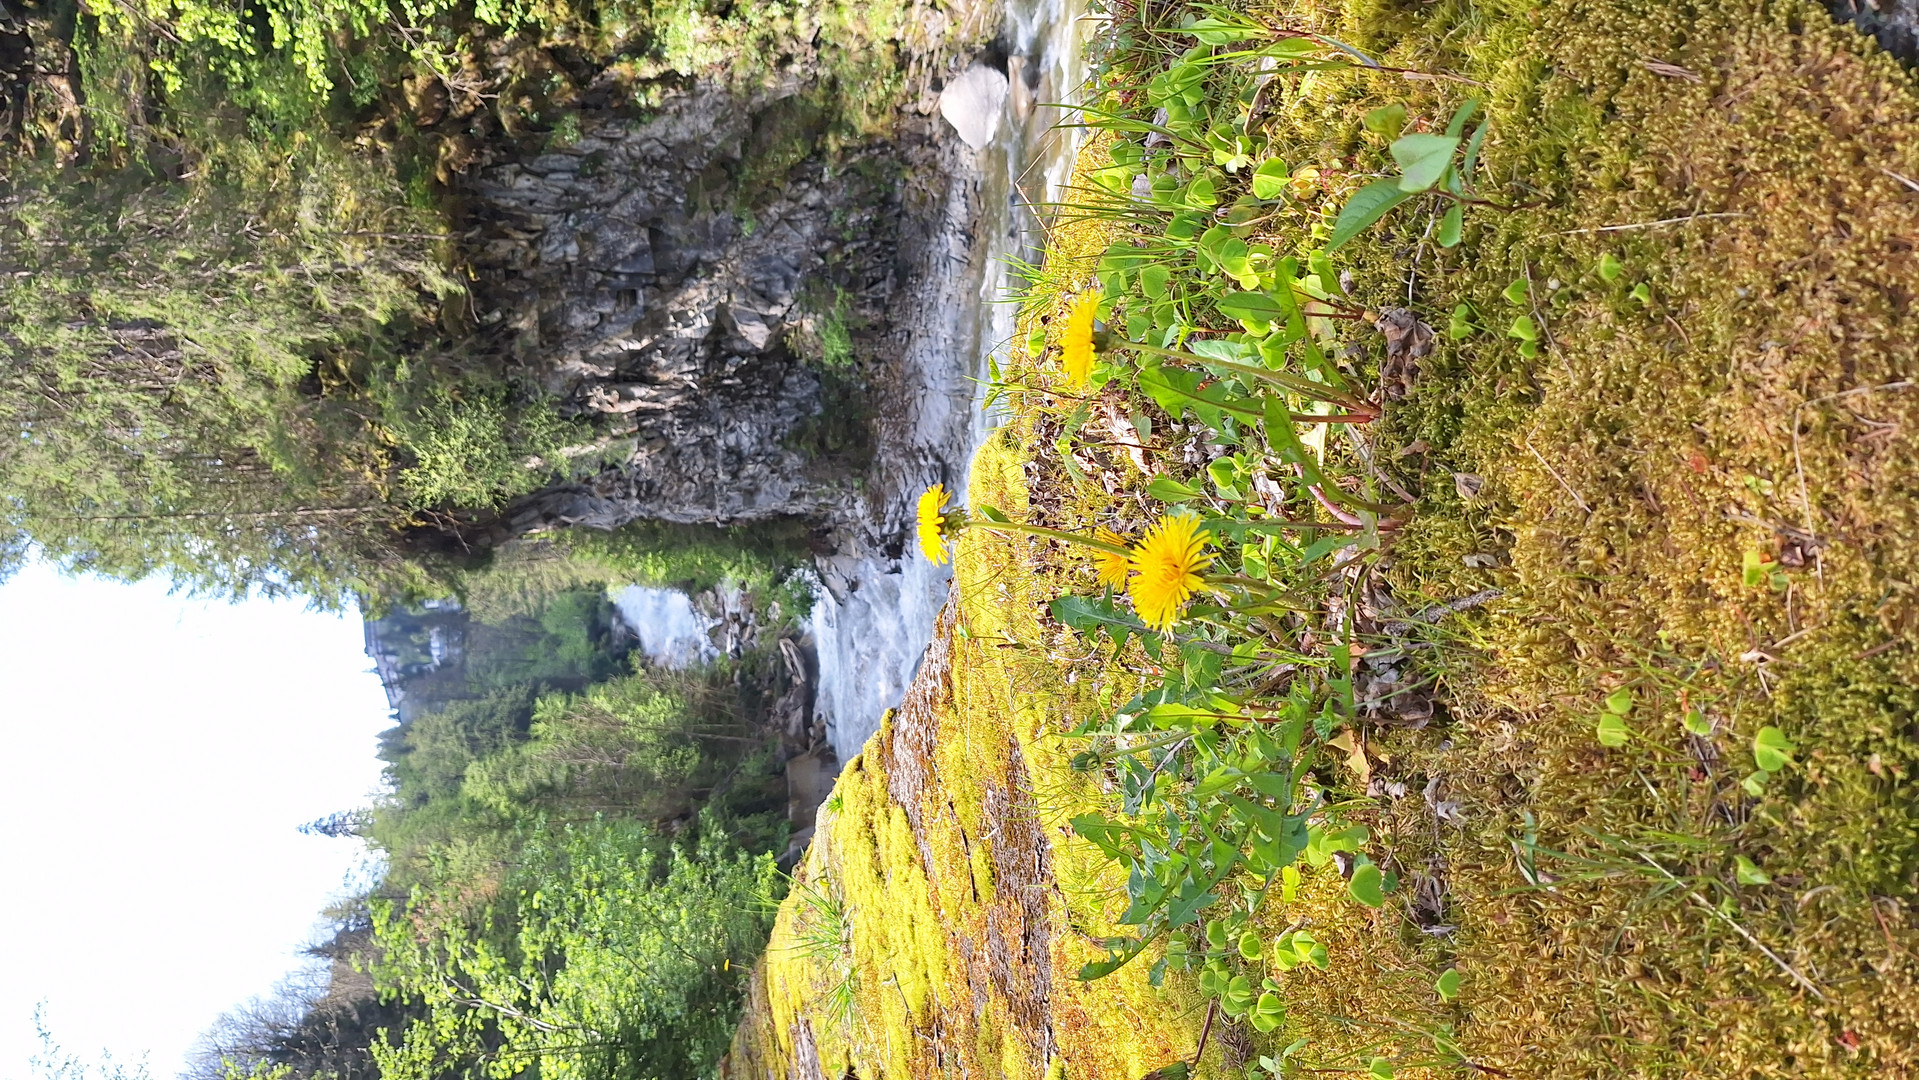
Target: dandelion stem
<point>1051,534</point>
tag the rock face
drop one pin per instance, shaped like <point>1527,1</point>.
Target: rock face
<point>658,273</point>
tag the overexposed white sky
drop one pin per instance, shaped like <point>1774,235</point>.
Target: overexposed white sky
<point>157,756</point>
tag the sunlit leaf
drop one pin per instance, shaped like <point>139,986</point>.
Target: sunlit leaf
<point>1423,159</point>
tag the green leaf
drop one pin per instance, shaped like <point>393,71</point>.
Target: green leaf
<point>1770,749</point>
<point>1216,934</point>
<point>1380,1069</point>
<point>1386,121</point>
<point>1447,985</point>
<point>1238,997</point>
<point>1201,193</point>
<point>1120,952</point>
<point>1451,226</point>
<point>1367,884</point>
<point>1269,180</point>
<point>1465,112</point>
<point>1619,702</point>
<point>1460,327</point>
<point>1612,730</point>
<point>1516,292</point>
<point>1089,614</point>
<point>1642,292</point>
<point>1696,722</point>
<point>1212,31</point>
<point>1529,349</point>
<point>1524,329</point>
<point>1154,279</point>
<point>1255,307</point>
<point>1168,490</point>
<point>1268,1012</point>
<point>1250,946</point>
<point>1471,157</point>
<point>1755,783</point>
<point>1609,268</point>
<point>1748,872</point>
<point>1367,205</point>
<point>1423,159</point>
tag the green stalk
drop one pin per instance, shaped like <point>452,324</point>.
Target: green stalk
<point>1051,534</point>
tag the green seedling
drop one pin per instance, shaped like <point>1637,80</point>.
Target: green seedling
<point>1771,751</point>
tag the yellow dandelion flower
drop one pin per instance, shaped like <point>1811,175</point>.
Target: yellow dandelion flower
<point>1166,566</point>
<point>1112,565</point>
<point>1076,348</point>
<point>932,523</point>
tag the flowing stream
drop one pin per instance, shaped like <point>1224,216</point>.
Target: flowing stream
<point>872,621</point>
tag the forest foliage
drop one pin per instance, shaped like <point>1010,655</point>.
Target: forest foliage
<point>238,313</point>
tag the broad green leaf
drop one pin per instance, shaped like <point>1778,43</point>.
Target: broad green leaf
<point>1452,226</point>
<point>1269,180</point>
<point>1447,985</point>
<point>1380,1069</point>
<point>1367,884</point>
<point>1770,749</point>
<point>1642,292</point>
<point>1696,722</point>
<point>1755,783</point>
<point>1609,267</point>
<point>1748,872</point>
<point>1268,1012</point>
<point>1255,307</point>
<point>1612,730</point>
<point>1423,159</point>
<point>1387,121</point>
<point>1367,205</point>
<point>1524,329</point>
<point>1202,193</point>
<point>1233,261</point>
<point>1238,997</point>
<point>1250,946</point>
<point>1620,701</point>
<point>1515,293</point>
<point>1154,279</point>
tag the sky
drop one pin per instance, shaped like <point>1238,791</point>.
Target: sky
<point>157,756</point>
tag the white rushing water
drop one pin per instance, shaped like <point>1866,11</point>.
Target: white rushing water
<point>671,633</point>
<point>870,625</point>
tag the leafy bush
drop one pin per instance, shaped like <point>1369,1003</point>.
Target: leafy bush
<point>608,954</point>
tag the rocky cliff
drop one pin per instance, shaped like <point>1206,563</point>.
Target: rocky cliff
<point>681,278</point>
